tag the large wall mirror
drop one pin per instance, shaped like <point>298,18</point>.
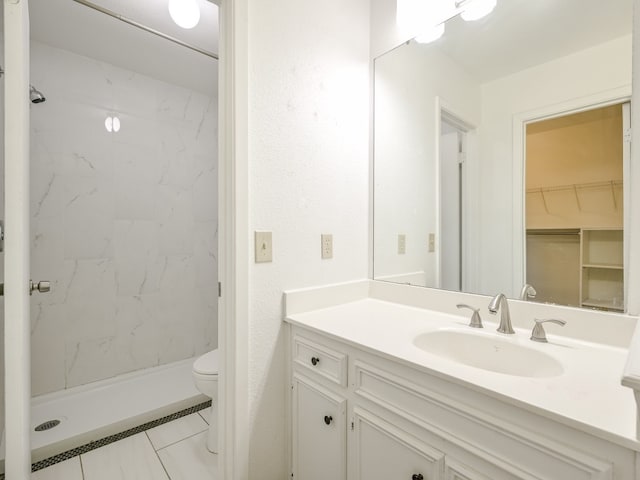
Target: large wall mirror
<point>500,157</point>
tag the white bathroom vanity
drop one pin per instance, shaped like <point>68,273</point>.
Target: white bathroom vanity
<point>390,382</point>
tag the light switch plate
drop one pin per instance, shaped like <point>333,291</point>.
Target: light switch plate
<point>326,240</point>
<point>402,244</point>
<point>432,242</point>
<point>263,247</point>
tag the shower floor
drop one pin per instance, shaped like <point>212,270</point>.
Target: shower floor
<point>93,411</point>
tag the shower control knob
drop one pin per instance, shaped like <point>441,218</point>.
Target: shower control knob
<point>42,287</point>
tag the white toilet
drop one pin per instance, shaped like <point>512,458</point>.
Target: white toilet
<point>205,375</point>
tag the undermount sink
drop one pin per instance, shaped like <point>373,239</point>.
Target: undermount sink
<point>489,352</point>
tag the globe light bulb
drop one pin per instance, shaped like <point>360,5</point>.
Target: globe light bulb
<point>185,13</point>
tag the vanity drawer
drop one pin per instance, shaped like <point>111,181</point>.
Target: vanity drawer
<point>321,359</point>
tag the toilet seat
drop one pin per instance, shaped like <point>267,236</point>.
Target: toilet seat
<point>207,364</point>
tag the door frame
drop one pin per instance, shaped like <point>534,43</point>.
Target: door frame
<point>444,112</point>
<point>233,242</point>
<point>576,105</point>
<point>17,318</point>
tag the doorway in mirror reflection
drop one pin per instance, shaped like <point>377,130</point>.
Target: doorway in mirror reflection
<point>574,207</point>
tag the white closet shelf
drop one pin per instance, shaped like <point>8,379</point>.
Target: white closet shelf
<point>604,266</point>
<point>601,304</point>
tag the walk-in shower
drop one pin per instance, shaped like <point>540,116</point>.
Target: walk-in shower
<point>35,95</point>
<point>123,221</point>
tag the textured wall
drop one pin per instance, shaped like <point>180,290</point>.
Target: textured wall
<point>308,154</point>
<point>124,224</point>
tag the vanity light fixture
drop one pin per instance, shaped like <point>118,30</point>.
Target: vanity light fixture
<point>185,13</point>
<point>411,15</point>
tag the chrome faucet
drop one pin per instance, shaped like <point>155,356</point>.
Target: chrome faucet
<point>527,292</point>
<point>500,302</point>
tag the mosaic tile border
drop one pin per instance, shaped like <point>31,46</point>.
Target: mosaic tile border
<point>113,438</point>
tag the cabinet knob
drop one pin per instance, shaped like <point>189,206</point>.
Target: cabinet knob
<point>328,419</point>
<point>315,361</point>
<point>417,476</point>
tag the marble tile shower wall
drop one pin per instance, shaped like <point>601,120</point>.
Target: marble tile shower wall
<point>124,224</point>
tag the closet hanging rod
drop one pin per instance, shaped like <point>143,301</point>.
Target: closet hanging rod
<point>141,26</point>
<point>574,186</point>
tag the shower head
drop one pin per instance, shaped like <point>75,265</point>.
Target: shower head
<point>35,96</point>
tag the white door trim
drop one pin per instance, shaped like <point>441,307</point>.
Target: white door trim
<point>17,320</point>
<point>233,308</point>
<point>626,191</point>
<point>444,112</point>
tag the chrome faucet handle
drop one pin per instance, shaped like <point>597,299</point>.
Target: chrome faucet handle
<point>538,334</point>
<point>527,292</point>
<point>476,321</point>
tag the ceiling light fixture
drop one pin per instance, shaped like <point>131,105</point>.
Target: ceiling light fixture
<point>112,124</point>
<point>425,19</point>
<point>185,13</point>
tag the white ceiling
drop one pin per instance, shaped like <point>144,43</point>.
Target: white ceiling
<point>518,34</point>
<point>523,33</point>
<point>77,28</point>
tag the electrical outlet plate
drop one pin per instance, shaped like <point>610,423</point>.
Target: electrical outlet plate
<point>263,247</point>
<point>326,240</point>
<point>402,244</point>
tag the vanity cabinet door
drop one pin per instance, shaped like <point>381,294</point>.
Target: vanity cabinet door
<point>383,452</point>
<point>458,471</point>
<point>454,470</point>
<point>319,432</point>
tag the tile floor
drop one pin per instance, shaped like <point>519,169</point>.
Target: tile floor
<point>173,451</point>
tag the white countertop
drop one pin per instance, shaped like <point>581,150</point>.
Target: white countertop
<point>587,395</point>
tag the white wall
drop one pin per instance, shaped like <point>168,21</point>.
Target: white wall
<point>385,33</point>
<point>589,72</point>
<point>124,225</point>
<point>408,81</point>
<point>308,169</point>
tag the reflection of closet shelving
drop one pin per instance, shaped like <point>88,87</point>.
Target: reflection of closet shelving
<point>578,189</point>
<point>602,279</point>
<point>581,266</point>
